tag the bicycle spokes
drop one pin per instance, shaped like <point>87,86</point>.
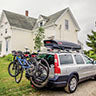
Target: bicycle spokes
<point>37,69</point>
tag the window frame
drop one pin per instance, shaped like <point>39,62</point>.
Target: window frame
<point>6,31</point>
<point>84,56</point>
<point>66,24</point>
<point>66,64</point>
<point>81,57</point>
<point>41,23</point>
<point>7,45</point>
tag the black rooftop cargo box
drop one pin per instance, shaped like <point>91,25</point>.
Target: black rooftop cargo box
<point>56,44</point>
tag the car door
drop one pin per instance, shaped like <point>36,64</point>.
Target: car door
<point>91,66</point>
<point>82,67</point>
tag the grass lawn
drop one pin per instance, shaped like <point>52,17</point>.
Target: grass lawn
<point>8,86</point>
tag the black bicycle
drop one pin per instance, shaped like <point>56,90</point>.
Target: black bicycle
<point>38,69</point>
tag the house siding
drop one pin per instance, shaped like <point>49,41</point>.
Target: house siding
<point>50,31</point>
<point>21,39</point>
<point>66,35</point>
<point>63,34</point>
<point>5,35</point>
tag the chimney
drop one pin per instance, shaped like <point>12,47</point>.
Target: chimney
<point>26,13</point>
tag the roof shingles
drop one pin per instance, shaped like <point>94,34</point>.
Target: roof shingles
<point>20,21</point>
<point>29,23</point>
<point>52,18</point>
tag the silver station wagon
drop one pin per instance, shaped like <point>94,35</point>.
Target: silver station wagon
<point>67,68</point>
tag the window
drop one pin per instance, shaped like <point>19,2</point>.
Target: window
<point>79,59</point>
<point>0,46</point>
<point>87,60</point>
<point>1,34</point>
<point>66,59</point>
<point>66,24</point>
<point>48,57</point>
<point>1,26</point>
<point>7,41</point>
<point>41,24</point>
<point>5,30</point>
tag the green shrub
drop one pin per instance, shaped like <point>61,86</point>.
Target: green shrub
<point>93,57</point>
<point>9,57</point>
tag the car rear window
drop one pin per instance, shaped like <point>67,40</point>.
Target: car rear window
<point>48,57</point>
<point>66,59</point>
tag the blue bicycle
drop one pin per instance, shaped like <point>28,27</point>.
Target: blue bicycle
<point>38,69</point>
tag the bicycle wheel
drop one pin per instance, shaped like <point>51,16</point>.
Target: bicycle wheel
<point>11,69</point>
<point>19,70</point>
<point>33,63</point>
<point>40,78</point>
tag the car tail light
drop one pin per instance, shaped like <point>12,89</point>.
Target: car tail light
<point>33,55</point>
<point>26,55</point>
<point>56,65</point>
<point>48,42</point>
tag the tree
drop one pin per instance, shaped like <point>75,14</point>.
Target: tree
<point>39,36</point>
<point>92,41</point>
<point>92,44</point>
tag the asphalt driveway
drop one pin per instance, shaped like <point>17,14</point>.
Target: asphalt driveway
<point>86,88</point>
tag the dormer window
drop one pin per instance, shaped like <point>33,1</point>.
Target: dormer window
<point>41,24</point>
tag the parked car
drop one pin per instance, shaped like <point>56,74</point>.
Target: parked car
<point>67,69</point>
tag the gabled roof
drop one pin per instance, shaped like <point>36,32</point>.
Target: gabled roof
<point>52,18</point>
<point>45,17</point>
<point>30,23</point>
<point>20,21</point>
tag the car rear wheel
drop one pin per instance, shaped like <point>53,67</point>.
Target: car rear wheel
<point>95,77</point>
<point>72,84</point>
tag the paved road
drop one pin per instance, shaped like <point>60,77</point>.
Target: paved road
<point>86,88</point>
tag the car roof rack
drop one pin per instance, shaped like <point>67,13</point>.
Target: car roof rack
<point>62,45</point>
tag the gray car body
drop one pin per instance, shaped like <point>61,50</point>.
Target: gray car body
<point>83,70</point>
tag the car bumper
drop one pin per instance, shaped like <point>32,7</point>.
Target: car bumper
<point>58,81</point>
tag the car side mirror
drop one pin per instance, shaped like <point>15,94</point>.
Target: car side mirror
<point>93,62</point>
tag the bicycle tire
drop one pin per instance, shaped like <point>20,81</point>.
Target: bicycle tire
<point>40,84</point>
<point>13,68</point>
<point>20,71</point>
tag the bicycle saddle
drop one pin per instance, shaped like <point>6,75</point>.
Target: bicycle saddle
<point>20,53</point>
<point>14,52</point>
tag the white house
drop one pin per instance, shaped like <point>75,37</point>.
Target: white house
<point>17,31</point>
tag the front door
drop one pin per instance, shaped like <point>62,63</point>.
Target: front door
<point>7,44</point>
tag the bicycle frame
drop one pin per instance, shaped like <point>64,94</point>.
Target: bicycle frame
<point>20,60</point>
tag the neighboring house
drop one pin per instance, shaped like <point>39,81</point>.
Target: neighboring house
<point>17,31</point>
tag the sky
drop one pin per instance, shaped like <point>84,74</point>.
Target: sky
<point>84,11</point>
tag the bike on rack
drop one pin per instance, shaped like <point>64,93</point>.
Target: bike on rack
<point>38,69</point>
